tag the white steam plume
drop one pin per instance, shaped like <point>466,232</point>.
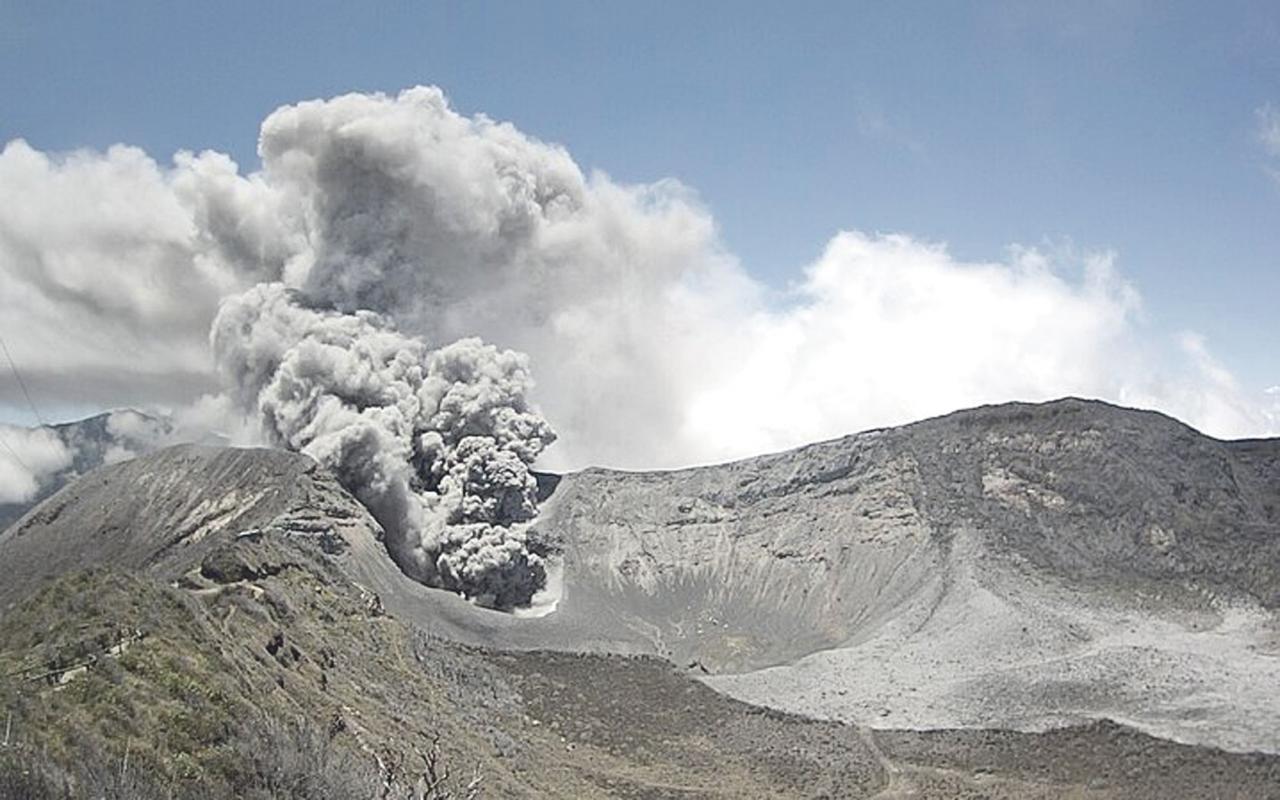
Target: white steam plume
<point>436,443</point>
<point>652,347</point>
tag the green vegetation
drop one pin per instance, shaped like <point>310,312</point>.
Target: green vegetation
<point>138,689</point>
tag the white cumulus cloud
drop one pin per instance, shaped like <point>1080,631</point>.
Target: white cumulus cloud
<point>651,345</point>
<point>28,460</point>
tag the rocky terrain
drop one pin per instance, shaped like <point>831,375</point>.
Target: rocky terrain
<point>1019,567</point>
<point>1067,599</point>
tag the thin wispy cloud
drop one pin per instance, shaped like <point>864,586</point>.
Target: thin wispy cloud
<point>1268,122</point>
<point>876,126</point>
<point>1267,117</point>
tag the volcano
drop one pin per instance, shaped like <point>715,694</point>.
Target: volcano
<point>1016,600</point>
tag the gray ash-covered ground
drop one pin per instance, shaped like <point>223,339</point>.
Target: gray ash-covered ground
<point>1007,577</point>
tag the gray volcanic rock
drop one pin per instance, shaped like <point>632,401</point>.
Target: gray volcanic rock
<point>1018,566</point>
<point>761,561</point>
<point>1021,567</point>
<point>166,512</point>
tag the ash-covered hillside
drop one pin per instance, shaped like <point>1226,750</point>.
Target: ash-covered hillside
<point>807,546</point>
<point>1017,579</point>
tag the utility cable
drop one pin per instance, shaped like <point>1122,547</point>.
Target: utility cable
<point>13,453</point>
<point>21,382</point>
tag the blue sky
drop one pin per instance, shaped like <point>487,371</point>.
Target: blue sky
<point>1124,126</point>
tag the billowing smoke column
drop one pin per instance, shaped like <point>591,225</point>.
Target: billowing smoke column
<point>654,348</point>
<point>436,443</point>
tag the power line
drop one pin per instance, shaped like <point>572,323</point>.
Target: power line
<point>13,453</point>
<point>21,382</point>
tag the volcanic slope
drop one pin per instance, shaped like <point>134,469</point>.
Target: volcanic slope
<point>188,624</point>
<point>195,610</point>
<point>1019,566</point>
<point>982,569</point>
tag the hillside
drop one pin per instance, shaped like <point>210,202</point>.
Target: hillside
<point>1075,560</point>
<point>225,616</point>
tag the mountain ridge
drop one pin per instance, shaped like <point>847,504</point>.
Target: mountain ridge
<point>1030,569</point>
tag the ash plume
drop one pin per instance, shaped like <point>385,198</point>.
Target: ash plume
<point>455,225</point>
<point>438,444</point>
<point>653,347</point>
